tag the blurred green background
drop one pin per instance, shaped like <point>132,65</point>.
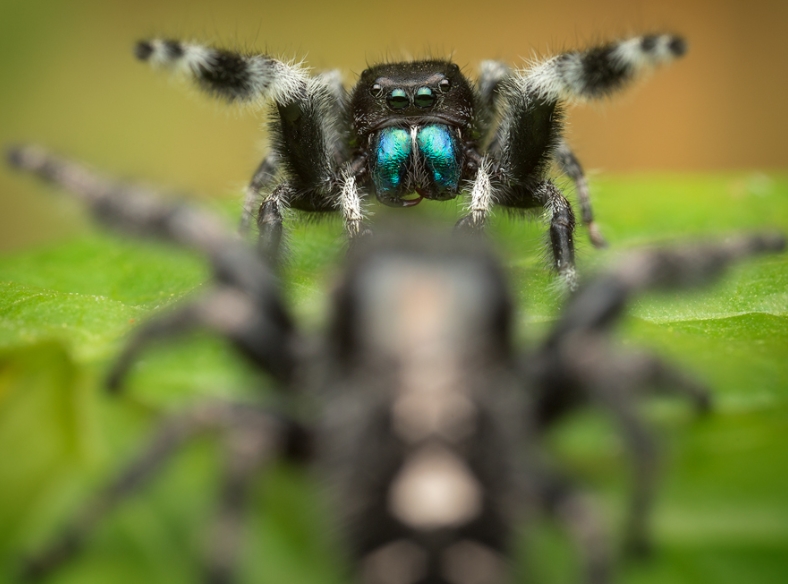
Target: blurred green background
<point>699,149</point>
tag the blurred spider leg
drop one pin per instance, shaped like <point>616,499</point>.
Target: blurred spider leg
<point>644,459</point>
<point>252,440</point>
<point>599,71</point>
<point>584,525</point>
<point>231,313</point>
<point>649,371</point>
<point>601,301</point>
<point>570,166</point>
<point>128,208</point>
<point>263,177</point>
<point>171,435</point>
<point>482,200</point>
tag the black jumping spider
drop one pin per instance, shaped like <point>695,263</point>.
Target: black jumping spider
<point>418,130</point>
<point>426,419</point>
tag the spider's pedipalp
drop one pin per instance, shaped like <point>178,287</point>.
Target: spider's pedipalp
<point>599,71</point>
<point>482,201</point>
<point>350,207</point>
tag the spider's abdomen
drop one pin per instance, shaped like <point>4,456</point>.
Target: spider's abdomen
<point>423,159</point>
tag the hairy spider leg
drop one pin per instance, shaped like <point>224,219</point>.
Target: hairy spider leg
<point>308,126</point>
<point>528,107</point>
<point>245,305</point>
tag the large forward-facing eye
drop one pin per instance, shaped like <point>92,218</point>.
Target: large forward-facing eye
<point>398,99</point>
<point>424,97</point>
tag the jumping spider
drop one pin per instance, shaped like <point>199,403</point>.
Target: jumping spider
<point>426,419</point>
<point>418,130</point>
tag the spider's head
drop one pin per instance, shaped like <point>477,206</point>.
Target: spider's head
<point>416,93</point>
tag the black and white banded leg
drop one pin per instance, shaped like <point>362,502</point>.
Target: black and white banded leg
<point>493,76</point>
<point>307,128</point>
<point>597,72</point>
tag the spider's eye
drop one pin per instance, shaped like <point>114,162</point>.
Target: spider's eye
<point>424,97</point>
<point>444,85</point>
<point>376,90</point>
<point>398,99</point>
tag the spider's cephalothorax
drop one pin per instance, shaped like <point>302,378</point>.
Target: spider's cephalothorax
<point>412,122</point>
<point>418,130</point>
<point>424,416</point>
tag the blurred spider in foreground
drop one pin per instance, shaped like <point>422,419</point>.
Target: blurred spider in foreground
<point>427,421</point>
<point>418,130</point>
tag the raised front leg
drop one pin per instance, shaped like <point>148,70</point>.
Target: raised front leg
<point>308,128</point>
<point>602,70</point>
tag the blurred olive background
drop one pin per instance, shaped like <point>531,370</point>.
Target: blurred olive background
<point>68,80</point>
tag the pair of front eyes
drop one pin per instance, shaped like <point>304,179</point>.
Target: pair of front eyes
<point>398,99</point>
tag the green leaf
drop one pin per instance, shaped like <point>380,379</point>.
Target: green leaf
<point>64,311</point>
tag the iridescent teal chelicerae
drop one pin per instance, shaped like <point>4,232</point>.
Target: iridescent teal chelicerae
<point>437,144</point>
<point>391,157</point>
